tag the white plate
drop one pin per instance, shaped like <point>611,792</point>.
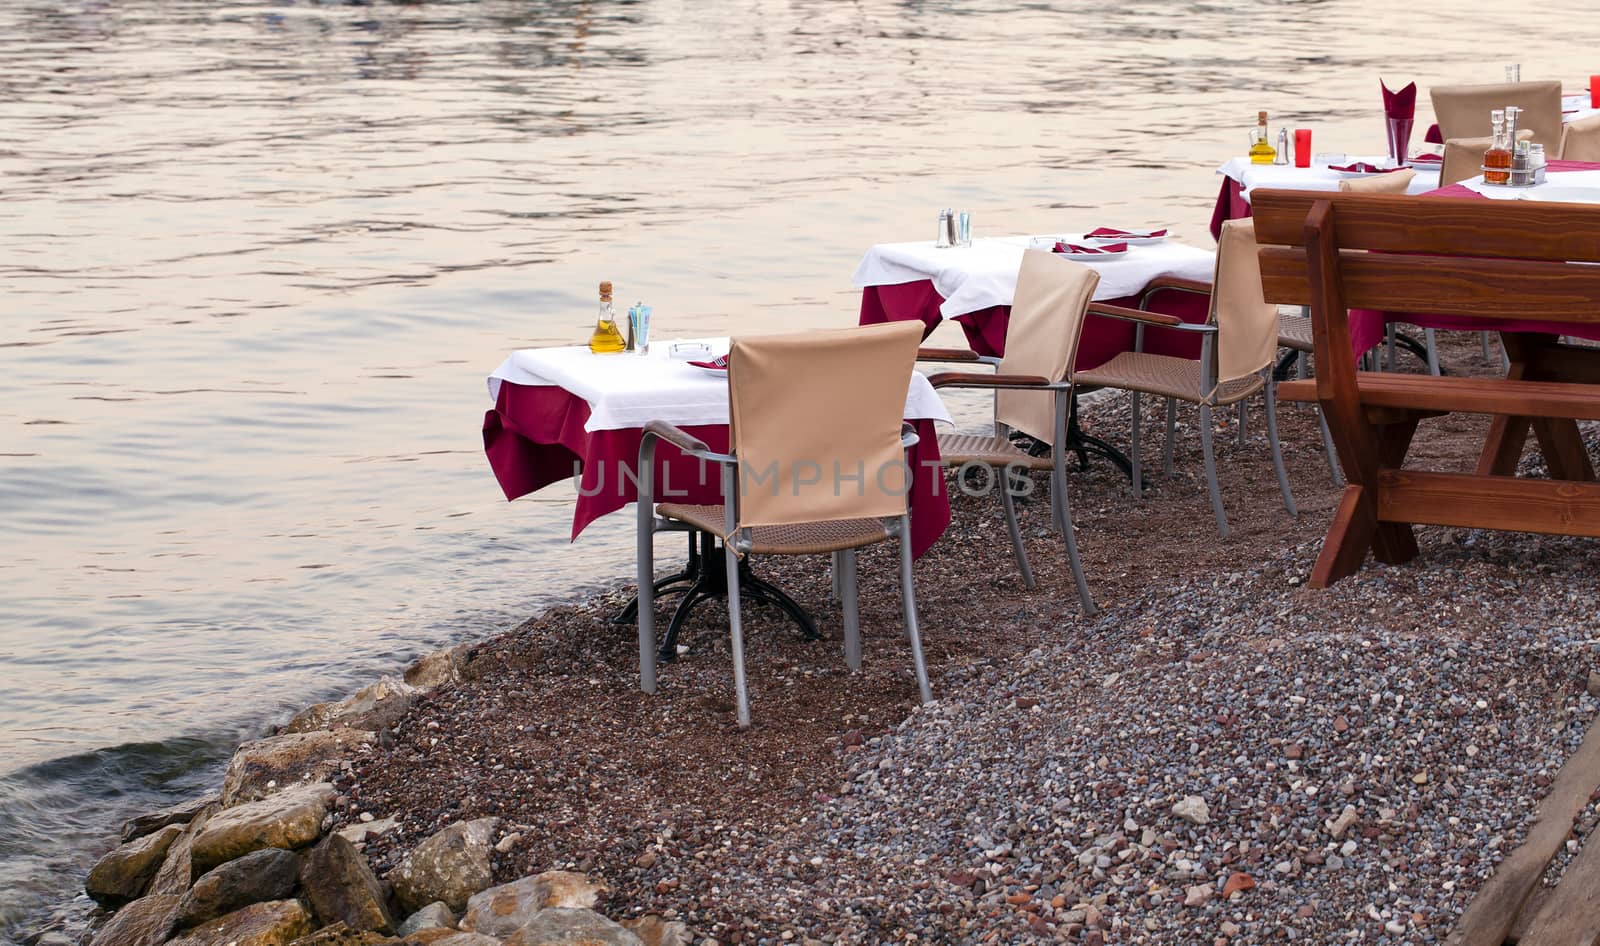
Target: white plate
<point>1363,173</point>
<point>1131,241</point>
<point>1563,194</point>
<point>1090,257</point>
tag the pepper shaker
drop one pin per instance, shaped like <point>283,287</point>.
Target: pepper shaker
<point>1282,157</point>
<point>946,230</point>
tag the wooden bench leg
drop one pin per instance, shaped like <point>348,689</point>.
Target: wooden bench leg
<point>1503,447</point>
<point>1350,536</point>
<point>1562,445</point>
<point>1394,542</point>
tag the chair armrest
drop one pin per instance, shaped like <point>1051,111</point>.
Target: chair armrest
<point>690,445</point>
<point>962,379</point>
<point>908,435</point>
<point>1175,284</point>
<point>963,355</point>
<point>1158,319</point>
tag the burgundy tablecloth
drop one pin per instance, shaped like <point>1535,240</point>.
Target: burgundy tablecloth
<point>1231,205</point>
<point>535,437</point>
<point>1102,338</point>
<point>1367,327</point>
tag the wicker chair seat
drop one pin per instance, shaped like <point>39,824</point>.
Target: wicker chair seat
<point>1294,331</point>
<point>810,538</point>
<point>1166,376</point>
<point>988,450</point>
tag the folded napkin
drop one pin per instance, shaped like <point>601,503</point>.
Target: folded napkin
<point>1100,232</point>
<point>1434,135</point>
<point>1362,167</point>
<point>715,364</point>
<point>1427,159</point>
<point>1401,104</point>
<point>1109,249</point>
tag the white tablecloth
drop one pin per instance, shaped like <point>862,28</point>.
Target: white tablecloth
<point>627,390</point>
<point>1552,179</point>
<point>1287,176</point>
<point>985,274</point>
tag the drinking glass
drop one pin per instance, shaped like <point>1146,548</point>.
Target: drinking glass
<point>1302,147</point>
<point>1328,158</point>
<point>1399,140</point>
<point>1514,72</point>
<point>1594,91</point>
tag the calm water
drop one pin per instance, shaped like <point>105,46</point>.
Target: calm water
<point>256,259</point>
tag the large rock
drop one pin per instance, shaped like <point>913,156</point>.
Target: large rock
<point>561,926</point>
<point>451,866</point>
<point>278,763</point>
<point>144,922</point>
<point>267,874</point>
<point>177,871</point>
<point>434,916</point>
<point>181,813</point>
<point>288,820</point>
<point>125,873</point>
<point>374,707</point>
<point>434,670</point>
<point>655,931</point>
<point>343,889</point>
<point>340,935</point>
<point>276,923</point>
<point>429,937</point>
<point>465,939</point>
<point>501,911</point>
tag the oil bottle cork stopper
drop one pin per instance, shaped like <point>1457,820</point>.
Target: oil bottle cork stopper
<point>1261,118</point>
<point>605,289</point>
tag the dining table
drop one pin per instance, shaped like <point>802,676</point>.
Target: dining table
<point>974,286</point>
<point>567,414</point>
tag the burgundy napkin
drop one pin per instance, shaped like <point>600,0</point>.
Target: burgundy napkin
<point>716,364</point>
<point>1427,159</point>
<point>1434,135</point>
<point>1108,249</point>
<point>1362,167</point>
<point>1135,234</point>
<point>1401,104</point>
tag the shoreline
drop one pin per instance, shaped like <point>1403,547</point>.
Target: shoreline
<point>1036,799</point>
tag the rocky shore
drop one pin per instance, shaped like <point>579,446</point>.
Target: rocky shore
<point>1220,757</point>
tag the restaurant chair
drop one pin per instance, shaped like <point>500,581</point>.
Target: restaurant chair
<point>1580,141</point>
<point>1463,110</point>
<point>802,409</point>
<point>1238,346</point>
<point>1033,395</point>
<point>1294,333</point>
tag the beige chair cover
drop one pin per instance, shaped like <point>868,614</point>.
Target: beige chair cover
<point>1463,157</point>
<point>1047,315</point>
<point>1580,141</point>
<point>1247,326</point>
<point>816,423</point>
<point>1395,182</point>
<point>1463,110</point>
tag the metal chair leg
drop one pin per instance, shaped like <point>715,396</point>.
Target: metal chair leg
<point>1061,508</point>
<point>1277,451</point>
<point>908,601</point>
<point>1244,422</point>
<point>1133,451</point>
<point>1328,449</point>
<point>1483,338</point>
<point>838,590</point>
<point>1432,341</point>
<point>1211,470</point>
<point>1009,504</point>
<point>736,629</point>
<point>852,608</point>
<point>1300,365</point>
<point>1172,428</point>
<point>647,611</point>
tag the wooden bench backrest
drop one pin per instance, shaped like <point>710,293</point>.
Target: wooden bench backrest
<point>1500,259</point>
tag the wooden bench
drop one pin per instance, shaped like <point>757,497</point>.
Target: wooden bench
<point>1489,259</point>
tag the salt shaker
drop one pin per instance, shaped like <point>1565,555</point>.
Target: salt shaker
<point>1282,157</point>
<point>946,229</point>
<point>964,229</point>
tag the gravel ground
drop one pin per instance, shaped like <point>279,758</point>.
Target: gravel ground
<point>1221,756</point>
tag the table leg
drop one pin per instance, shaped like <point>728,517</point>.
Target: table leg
<point>713,583</point>
<point>1559,439</point>
<point>672,584</point>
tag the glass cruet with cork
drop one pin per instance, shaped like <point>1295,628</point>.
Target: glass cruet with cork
<point>606,338</point>
<point>1261,150</point>
<point>1497,160</point>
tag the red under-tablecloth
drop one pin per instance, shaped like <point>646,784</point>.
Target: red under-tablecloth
<point>1102,338</point>
<point>535,437</point>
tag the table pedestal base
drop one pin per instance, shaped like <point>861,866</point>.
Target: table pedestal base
<point>704,578</point>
